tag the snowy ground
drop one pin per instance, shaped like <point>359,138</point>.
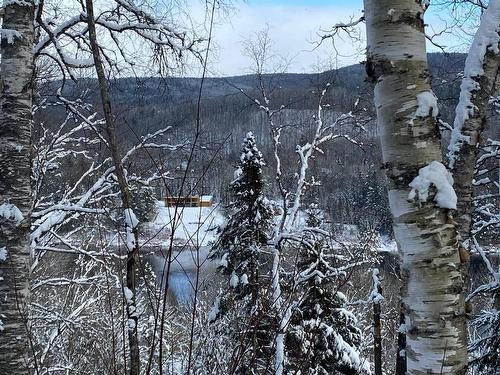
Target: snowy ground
<point>194,226</point>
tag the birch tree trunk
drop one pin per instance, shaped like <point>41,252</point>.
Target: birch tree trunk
<point>480,82</point>
<point>426,235</point>
<point>15,192</point>
<point>131,221</point>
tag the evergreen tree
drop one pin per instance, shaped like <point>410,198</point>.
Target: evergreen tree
<point>323,337</point>
<point>143,202</point>
<point>248,226</point>
<point>239,250</point>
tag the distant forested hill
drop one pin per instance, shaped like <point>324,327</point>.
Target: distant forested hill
<point>350,177</point>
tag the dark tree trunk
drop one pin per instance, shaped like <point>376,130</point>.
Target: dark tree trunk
<point>377,335</point>
<point>401,349</point>
<point>133,253</point>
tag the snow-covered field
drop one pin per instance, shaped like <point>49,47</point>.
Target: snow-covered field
<point>194,226</point>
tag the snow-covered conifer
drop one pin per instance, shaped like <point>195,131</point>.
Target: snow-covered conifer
<point>248,226</point>
<point>246,300</point>
<point>323,337</point>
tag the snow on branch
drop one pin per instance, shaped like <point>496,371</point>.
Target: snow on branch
<point>3,254</point>
<point>375,295</point>
<point>64,36</point>
<point>486,40</point>
<point>95,184</point>
<point>68,207</point>
<point>60,281</point>
<point>323,133</point>
<point>494,284</point>
<point>130,218</point>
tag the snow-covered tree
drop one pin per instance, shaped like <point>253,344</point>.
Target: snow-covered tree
<point>240,248</point>
<point>484,232</point>
<point>130,218</point>
<point>474,159</point>
<point>143,202</point>
<point>485,348</point>
<point>411,148</point>
<point>74,225</point>
<point>249,224</point>
<point>287,234</point>
<point>323,337</point>
<point>394,23</point>
<point>55,38</point>
<point>479,84</point>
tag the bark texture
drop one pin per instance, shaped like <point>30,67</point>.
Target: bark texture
<point>15,192</point>
<point>133,249</point>
<point>426,236</point>
<point>473,128</point>
<point>480,82</point>
<point>464,165</point>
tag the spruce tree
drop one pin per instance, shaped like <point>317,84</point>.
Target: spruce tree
<point>323,336</point>
<point>249,224</point>
<point>245,301</point>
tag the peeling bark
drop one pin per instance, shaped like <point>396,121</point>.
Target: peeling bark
<point>480,82</point>
<point>473,128</point>
<point>15,191</point>
<point>435,326</point>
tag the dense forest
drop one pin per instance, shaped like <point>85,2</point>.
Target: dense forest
<point>145,105</point>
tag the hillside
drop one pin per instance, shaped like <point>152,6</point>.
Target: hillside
<point>144,105</point>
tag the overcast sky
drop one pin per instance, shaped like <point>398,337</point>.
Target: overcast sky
<point>294,27</point>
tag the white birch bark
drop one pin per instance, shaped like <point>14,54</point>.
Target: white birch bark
<point>480,82</point>
<point>15,193</point>
<point>426,236</point>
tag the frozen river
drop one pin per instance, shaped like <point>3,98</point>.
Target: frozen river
<point>194,231</point>
<point>183,271</point>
